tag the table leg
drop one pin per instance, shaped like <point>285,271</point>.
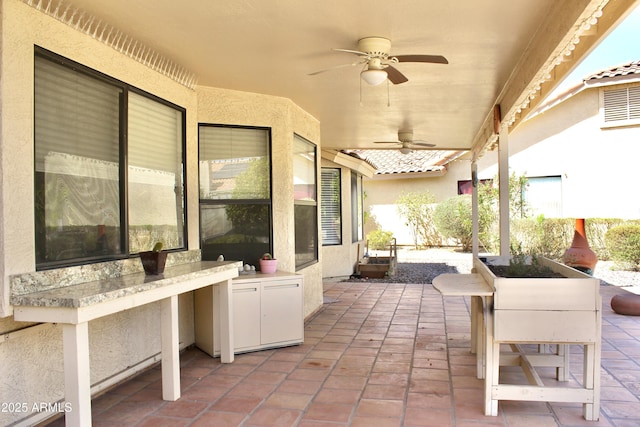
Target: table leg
<point>478,333</point>
<point>226,322</point>
<point>170,348</point>
<point>491,360</point>
<point>77,383</point>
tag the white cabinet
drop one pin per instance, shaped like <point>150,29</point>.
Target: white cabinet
<point>267,313</point>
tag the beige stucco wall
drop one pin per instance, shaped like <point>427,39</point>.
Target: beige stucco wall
<point>31,355</point>
<point>597,165</point>
<point>382,194</point>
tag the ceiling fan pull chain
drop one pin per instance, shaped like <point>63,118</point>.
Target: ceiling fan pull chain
<point>388,94</point>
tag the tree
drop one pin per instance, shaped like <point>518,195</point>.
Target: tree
<point>417,210</point>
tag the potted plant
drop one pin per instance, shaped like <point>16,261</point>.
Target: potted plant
<point>268,264</point>
<point>153,261</point>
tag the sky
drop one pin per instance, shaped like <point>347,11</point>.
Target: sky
<point>621,46</point>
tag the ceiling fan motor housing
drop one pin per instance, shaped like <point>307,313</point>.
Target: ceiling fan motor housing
<point>376,47</point>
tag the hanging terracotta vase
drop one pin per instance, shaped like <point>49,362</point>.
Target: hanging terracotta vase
<point>579,255</point>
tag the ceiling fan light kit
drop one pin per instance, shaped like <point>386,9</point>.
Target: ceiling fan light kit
<point>375,54</point>
<point>405,150</point>
<point>374,77</point>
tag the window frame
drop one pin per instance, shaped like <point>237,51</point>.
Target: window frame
<point>307,203</point>
<point>357,207</point>
<point>123,165</point>
<point>337,175</point>
<point>205,202</point>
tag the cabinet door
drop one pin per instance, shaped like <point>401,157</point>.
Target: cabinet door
<point>246,316</point>
<point>282,318</point>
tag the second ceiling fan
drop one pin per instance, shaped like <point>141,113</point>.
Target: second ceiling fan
<point>374,54</point>
<point>408,144</point>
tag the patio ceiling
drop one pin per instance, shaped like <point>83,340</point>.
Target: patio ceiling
<point>499,52</point>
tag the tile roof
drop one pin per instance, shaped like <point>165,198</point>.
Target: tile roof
<point>621,70</point>
<point>393,161</point>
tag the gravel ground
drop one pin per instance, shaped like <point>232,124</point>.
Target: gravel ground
<point>421,266</point>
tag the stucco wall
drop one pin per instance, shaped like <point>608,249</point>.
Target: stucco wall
<point>597,165</point>
<point>382,195</point>
<point>31,355</point>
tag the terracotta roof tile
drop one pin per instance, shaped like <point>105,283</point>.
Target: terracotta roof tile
<point>621,70</point>
<point>393,161</point>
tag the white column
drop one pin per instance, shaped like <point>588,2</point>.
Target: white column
<point>503,178</point>
<point>226,322</point>
<point>170,348</point>
<point>77,381</point>
<point>475,227</point>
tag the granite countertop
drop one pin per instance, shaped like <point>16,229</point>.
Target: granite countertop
<point>97,291</point>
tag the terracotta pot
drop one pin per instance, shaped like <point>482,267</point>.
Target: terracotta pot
<point>579,255</point>
<point>153,262</point>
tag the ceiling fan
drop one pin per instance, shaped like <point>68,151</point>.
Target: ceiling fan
<point>408,144</point>
<point>374,54</point>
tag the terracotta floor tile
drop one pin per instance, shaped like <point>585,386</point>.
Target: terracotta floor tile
<point>274,417</point>
<point>383,355</point>
<point>182,408</point>
<point>328,412</point>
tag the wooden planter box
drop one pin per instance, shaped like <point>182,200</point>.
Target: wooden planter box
<point>554,310</point>
<point>561,310</point>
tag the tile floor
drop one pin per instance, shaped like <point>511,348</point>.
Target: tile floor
<point>376,355</point>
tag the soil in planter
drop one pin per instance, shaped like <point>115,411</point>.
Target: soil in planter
<point>529,271</point>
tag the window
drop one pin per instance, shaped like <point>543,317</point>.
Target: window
<point>305,202</point>
<point>621,106</point>
<point>235,192</point>
<point>109,167</point>
<point>357,232</point>
<point>331,207</point>
<point>543,196</point>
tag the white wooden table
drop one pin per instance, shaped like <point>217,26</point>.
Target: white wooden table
<point>74,306</point>
<point>481,293</point>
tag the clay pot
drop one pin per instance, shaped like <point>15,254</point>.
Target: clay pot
<point>627,304</point>
<point>153,262</point>
<point>579,255</point>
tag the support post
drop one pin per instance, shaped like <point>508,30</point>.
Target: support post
<point>77,383</point>
<point>503,178</point>
<point>170,348</point>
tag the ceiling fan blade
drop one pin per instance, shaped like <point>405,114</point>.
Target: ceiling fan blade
<point>357,52</point>
<point>335,68</point>
<point>395,76</point>
<point>434,59</point>
<point>387,142</point>
<point>422,143</point>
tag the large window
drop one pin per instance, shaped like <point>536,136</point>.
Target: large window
<point>305,202</point>
<point>331,207</point>
<point>109,167</point>
<point>235,192</point>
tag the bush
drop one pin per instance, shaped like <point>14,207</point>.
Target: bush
<point>623,242</point>
<point>379,239</point>
<point>453,219</point>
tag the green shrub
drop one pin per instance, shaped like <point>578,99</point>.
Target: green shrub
<point>379,239</point>
<point>623,242</point>
<point>453,219</point>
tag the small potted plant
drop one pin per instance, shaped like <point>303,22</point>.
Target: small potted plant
<point>153,261</point>
<point>268,264</point>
